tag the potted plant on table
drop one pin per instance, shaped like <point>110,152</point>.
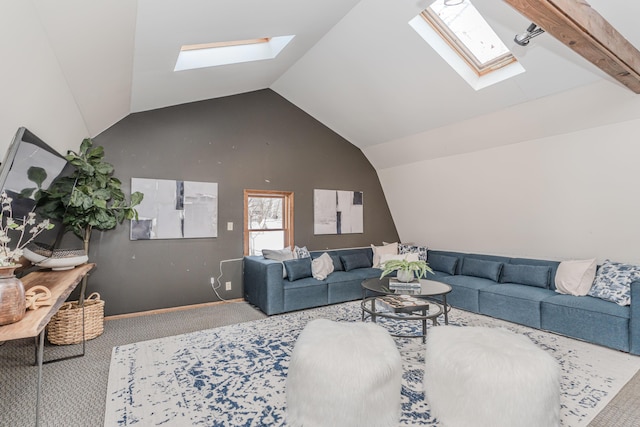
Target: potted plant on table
<point>407,270</point>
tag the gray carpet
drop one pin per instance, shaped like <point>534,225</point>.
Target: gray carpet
<point>74,390</point>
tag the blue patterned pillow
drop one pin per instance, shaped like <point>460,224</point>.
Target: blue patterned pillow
<point>408,249</point>
<point>301,252</point>
<point>613,282</point>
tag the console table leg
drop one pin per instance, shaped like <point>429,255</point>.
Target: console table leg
<point>38,391</point>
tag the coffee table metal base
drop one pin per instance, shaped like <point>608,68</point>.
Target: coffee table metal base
<point>370,310</point>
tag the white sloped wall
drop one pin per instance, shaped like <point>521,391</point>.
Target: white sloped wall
<point>34,91</point>
<point>568,196</point>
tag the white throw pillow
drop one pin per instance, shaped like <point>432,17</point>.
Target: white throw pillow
<point>279,255</point>
<point>412,256</point>
<point>378,251</point>
<point>322,266</point>
<point>575,277</point>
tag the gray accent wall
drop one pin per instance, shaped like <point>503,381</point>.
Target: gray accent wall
<point>256,140</point>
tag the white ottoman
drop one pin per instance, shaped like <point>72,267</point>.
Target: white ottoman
<point>344,374</point>
<point>477,376</point>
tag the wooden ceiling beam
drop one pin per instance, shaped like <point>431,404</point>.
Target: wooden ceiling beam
<point>584,30</point>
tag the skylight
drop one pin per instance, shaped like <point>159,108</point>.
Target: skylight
<point>469,37</point>
<point>229,52</point>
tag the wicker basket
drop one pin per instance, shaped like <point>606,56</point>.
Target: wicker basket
<point>65,326</point>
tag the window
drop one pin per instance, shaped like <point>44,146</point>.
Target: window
<point>268,220</point>
<point>462,37</point>
<point>229,52</point>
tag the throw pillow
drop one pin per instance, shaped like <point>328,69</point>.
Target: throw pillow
<point>279,255</point>
<point>337,264</point>
<point>378,251</point>
<point>613,282</point>
<point>298,268</point>
<point>481,268</point>
<point>444,263</point>
<point>302,252</point>
<point>322,266</point>
<point>530,275</point>
<point>407,248</point>
<point>353,261</point>
<point>575,277</point>
<point>413,256</point>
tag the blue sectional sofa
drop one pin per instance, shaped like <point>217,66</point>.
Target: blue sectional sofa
<point>522,291</point>
<point>519,290</point>
<point>266,288</point>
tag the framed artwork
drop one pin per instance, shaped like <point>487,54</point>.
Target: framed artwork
<point>337,212</point>
<point>175,209</point>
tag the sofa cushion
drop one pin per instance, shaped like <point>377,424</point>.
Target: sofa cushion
<point>301,252</point>
<point>481,268</point>
<point>355,260</point>
<point>575,277</point>
<point>613,282</point>
<point>322,266</point>
<point>298,268</point>
<point>337,263</point>
<point>530,275</point>
<point>444,263</point>
<point>404,248</point>
<point>279,255</point>
<point>379,251</point>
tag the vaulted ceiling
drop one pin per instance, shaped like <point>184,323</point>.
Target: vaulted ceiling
<point>356,66</point>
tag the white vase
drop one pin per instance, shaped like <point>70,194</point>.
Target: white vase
<point>405,276</point>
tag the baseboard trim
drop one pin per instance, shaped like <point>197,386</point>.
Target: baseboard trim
<point>170,309</point>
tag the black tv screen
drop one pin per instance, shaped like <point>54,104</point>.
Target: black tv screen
<point>27,151</point>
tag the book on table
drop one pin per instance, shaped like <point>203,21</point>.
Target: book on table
<point>398,285</point>
<point>402,303</point>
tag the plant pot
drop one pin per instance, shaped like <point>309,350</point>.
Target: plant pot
<point>12,299</point>
<point>405,276</point>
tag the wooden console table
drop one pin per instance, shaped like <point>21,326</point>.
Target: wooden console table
<point>61,284</point>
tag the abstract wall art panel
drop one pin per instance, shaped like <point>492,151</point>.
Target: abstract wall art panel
<point>175,209</point>
<point>337,212</point>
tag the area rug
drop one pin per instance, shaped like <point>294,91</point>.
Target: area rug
<point>235,375</point>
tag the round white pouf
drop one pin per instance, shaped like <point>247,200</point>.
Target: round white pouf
<point>478,376</point>
<point>344,374</point>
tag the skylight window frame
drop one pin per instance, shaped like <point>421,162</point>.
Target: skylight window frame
<point>443,30</point>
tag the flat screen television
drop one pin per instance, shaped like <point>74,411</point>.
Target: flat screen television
<point>27,151</point>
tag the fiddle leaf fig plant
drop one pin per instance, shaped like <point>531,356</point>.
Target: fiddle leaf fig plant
<point>91,197</point>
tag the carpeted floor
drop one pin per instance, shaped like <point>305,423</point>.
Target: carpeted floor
<point>236,375</point>
<point>74,391</point>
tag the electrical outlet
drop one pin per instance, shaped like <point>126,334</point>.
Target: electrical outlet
<point>227,286</point>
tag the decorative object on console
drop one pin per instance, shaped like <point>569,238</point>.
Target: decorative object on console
<point>613,282</point>
<point>55,259</point>
<point>12,297</point>
<point>406,270</point>
<point>175,209</point>
<point>38,296</point>
<point>337,212</point>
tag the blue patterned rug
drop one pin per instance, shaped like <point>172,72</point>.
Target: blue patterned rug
<point>235,375</point>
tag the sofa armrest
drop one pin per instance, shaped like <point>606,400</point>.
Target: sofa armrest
<point>263,284</point>
<point>634,318</point>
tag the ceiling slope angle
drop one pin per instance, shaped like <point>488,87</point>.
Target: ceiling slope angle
<point>164,26</point>
<point>373,79</point>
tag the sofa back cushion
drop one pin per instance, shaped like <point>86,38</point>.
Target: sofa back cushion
<point>482,268</point>
<point>355,260</point>
<point>337,263</point>
<point>298,268</point>
<point>531,275</point>
<point>444,263</point>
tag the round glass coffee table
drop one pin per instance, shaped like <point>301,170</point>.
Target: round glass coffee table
<point>399,309</point>
<point>429,289</point>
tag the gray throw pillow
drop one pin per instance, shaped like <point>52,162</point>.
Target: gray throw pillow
<point>482,268</point>
<point>298,268</point>
<point>531,275</point>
